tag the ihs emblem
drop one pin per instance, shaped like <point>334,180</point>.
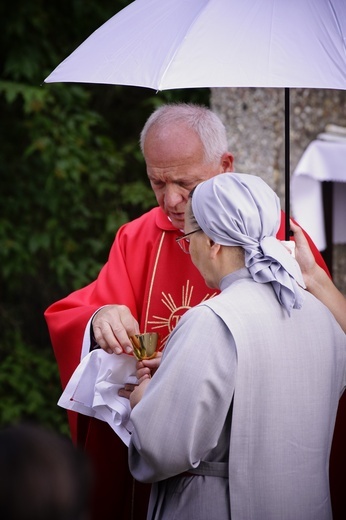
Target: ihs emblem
<point>176,311</point>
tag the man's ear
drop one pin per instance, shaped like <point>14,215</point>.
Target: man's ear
<point>227,161</point>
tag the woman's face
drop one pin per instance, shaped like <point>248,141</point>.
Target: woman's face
<point>199,248</point>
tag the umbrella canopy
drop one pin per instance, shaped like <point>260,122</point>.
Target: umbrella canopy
<point>170,44</point>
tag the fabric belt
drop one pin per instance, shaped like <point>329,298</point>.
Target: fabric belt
<point>210,469</point>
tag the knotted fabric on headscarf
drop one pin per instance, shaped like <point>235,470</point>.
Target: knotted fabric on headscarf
<point>235,209</point>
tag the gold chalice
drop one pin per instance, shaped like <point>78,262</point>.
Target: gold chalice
<point>145,345</point>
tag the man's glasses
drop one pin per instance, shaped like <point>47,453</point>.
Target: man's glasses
<point>185,242</point>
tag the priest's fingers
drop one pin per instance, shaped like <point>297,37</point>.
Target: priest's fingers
<point>127,320</point>
<point>112,326</point>
<point>106,338</point>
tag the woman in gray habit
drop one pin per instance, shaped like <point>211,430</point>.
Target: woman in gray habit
<point>238,420</point>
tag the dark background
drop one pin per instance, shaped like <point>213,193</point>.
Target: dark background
<point>71,173</point>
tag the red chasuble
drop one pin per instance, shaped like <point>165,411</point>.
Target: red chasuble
<point>148,272</point>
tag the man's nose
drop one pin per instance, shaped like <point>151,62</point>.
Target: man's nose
<point>173,195</point>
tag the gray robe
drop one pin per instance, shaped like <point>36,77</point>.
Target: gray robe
<point>242,384</point>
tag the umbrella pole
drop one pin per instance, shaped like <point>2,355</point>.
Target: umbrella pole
<point>287,163</point>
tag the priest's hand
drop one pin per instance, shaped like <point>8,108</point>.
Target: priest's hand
<point>111,326</point>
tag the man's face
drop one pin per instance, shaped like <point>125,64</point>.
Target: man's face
<point>175,165</point>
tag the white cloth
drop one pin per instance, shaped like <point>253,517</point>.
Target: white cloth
<point>321,161</point>
<point>93,390</point>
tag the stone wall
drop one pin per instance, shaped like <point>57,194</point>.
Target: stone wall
<point>254,118</point>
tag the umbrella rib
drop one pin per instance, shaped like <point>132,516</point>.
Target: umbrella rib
<point>181,43</point>
<point>337,22</point>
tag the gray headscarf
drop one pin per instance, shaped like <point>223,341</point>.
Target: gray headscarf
<point>235,209</point>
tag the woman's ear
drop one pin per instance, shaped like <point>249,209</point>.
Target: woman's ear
<point>214,248</point>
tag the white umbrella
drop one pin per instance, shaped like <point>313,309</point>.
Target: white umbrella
<point>169,44</point>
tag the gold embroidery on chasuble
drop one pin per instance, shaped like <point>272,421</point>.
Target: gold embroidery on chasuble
<point>173,289</point>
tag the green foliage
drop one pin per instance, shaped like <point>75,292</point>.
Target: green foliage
<point>64,192</point>
<point>71,173</point>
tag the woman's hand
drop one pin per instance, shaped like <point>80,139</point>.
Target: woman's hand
<point>138,392</point>
<point>145,369</point>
